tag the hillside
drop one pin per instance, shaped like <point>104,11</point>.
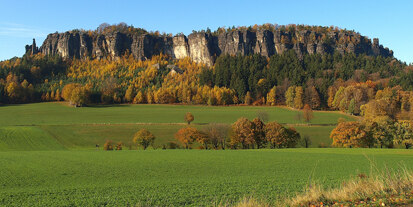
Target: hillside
<point>204,46</point>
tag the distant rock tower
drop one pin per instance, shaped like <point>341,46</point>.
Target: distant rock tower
<point>32,49</point>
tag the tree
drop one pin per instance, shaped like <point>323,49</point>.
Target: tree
<point>242,133</point>
<point>217,134</point>
<point>382,129</point>
<point>129,94</point>
<point>119,146</point>
<point>139,98</point>
<point>108,90</point>
<point>187,136</point>
<point>404,133</point>
<point>350,134</point>
<point>203,139</point>
<point>298,98</point>
<point>306,141</point>
<point>313,99</point>
<point>271,97</point>
<point>108,145</point>
<point>289,96</point>
<point>259,132</point>
<point>57,95</point>
<point>352,107</point>
<point>144,138</point>
<point>189,117</point>
<point>292,137</point>
<point>248,99</point>
<point>80,96</point>
<point>307,113</point>
<point>276,134</point>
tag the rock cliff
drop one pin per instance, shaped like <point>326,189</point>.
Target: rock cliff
<point>206,46</point>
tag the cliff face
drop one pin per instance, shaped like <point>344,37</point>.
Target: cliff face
<point>205,46</point>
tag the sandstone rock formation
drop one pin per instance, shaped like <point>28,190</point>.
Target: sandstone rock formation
<point>206,46</point>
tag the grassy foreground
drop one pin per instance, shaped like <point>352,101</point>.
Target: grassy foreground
<point>178,177</point>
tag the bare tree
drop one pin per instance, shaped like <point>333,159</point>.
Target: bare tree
<point>218,134</point>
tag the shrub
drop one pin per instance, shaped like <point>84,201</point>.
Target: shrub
<point>108,145</point>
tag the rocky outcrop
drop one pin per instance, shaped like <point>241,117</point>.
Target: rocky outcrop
<point>205,47</point>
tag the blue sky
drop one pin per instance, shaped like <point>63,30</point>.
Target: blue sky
<point>22,20</point>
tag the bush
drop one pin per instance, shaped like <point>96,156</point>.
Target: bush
<point>108,145</point>
<point>119,146</point>
<point>173,145</point>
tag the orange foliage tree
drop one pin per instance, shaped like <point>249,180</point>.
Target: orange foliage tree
<point>187,136</point>
<point>350,134</point>
<point>242,133</point>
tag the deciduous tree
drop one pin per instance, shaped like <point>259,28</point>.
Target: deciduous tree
<point>189,117</point>
<point>350,134</point>
<point>307,113</point>
<point>144,138</point>
<point>242,133</point>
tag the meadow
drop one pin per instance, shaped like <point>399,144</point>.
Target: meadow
<point>83,128</point>
<point>48,157</point>
<point>178,177</point>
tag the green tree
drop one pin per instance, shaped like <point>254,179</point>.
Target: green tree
<point>144,138</point>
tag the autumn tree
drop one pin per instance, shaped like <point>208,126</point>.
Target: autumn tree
<point>298,98</point>
<point>144,138</point>
<point>129,94</point>
<point>276,134</point>
<point>382,129</point>
<point>139,98</point>
<point>242,133</point>
<point>80,96</point>
<point>187,136</point>
<point>248,98</point>
<point>259,132</point>
<point>312,97</point>
<point>108,90</point>
<point>293,137</point>
<point>119,146</point>
<point>289,96</point>
<point>350,134</point>
<point>307,113</point>
<point>189,117</point>
<point>108,145</point>
<point>217,134</point>
<point>271,97</point>
<point>404,133</point>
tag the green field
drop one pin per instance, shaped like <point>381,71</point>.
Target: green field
<point>82,128</point>
<point>177,177</point>
<point>47,157</point>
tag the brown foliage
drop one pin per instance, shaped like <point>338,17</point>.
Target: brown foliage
<point>187,136</point>
<point>108,145</point>
<point>350,134</point>
<point>307,113</point>
<point>189,117</point>
<point>242,133</point>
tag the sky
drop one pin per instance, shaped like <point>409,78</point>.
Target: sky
<point>23,20</point>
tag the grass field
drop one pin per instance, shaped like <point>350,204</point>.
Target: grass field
<point>82,128</point>
<point>61,114</point>
<point>178,177</point>
<point>47,157</point>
